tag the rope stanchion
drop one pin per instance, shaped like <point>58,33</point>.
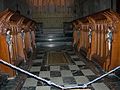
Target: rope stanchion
<point>53,84</point>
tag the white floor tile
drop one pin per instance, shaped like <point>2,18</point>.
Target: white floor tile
<point>74,56</point>
<point>40,55</point>
<point>30,82</point>
<point>45,74</point>
<point>74,67</point>
<point>87,72</point>
<point>54,68</point>
<point>100,86</point>
<point>66,73</point>
<point>37,60</point>
<point>81,79</point>
<point>57,80</point>
<point>70,85</point>
<point>35,69</point>
<point>79,63</point>
<point>43,88</point>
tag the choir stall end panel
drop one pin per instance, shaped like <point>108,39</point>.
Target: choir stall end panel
<point>96,49</point>
<point>5,55</point>
<point>86,36</point>
<point>27,37</point>
<point>112,40</point>
<point>14,54</point>
<point>115,56</point>
<point>75,34</point>
<point>4,44</point>
<point>115,51</point>
<point>80,41</point>
<point>33,30</point>
<point>16,24</point>
<point>102,53</point>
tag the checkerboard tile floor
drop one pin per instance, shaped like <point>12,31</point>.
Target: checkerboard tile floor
<point>66,75</point>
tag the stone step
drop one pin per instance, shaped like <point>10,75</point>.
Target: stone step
<point>52,44</point>
<point>53,39</point>
<point>49,35</point>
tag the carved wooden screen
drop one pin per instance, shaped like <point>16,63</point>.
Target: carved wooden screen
<point>61,6</point>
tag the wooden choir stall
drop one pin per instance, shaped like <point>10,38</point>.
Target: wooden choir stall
<point>29,35</point>
<point>13,38</point>
<point>76,34</point>
<point>99,38</point>
<point>85,36</point>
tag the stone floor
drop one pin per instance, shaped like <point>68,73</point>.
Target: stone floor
<point>17,82</point>
<point>76,73</point>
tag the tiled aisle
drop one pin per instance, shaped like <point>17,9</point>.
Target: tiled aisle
<point>66,75</point>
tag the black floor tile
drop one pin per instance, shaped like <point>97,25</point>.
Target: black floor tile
<point>71,53</point>
<point>39,57</point>
<point>72,62</point>
<point>69,49</point>
<point>28,88</point>
<point>46,78</point>
<point>82,67</point>
<point>77,73</point>
<point>69,80</point>
<point>114,85</point>
<point>39,83</point>
<point>76,59</point>
<point>55,74</point>
<point>35,73</point>
<point>45,68</point>
<point>54,88</point>
<point>37,64</point>
<point>94,77</point>
<point>90,87</point>
<point>65,67</point>
<point>40,52</point>
<point>113,78</point>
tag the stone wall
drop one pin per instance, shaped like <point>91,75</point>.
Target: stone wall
<point>52,13</point>
<point>1,5</point>
<point>87,7</point>
<point>53,20</point>
<point>21,5</point>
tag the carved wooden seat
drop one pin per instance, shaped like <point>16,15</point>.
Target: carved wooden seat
<point>4,45</point>
<point>76,34</point>
<point>28,41</point>
<point>12,42</point>
<point>105,20</point>
<point>105,44</point>
<point>85,36</point>
<point>16,22</point>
